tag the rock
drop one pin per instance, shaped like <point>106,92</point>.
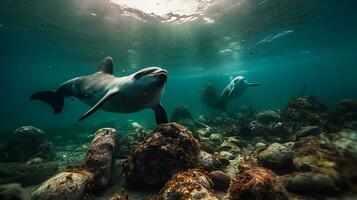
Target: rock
<point>347,110</point>
<point>206,161</point>
<point>305,163</point>
<point>65,185</point>
<point>310,154</point>
<point>220,179</point>
<point>168,149</point>
<point>305,111</point>
<point>273,129</point>
<point>268,116</point>
<point>229,146</point>
<point>180,112</point>
<point>260,145</point>
<point>13,191</point>
<point>209,146</point>
<point>227,155</point>
<point>310,182</point>
<point>277,156</point>
<point>191,184</point>
<point>119,197</point>
<point>26,174</point>
<point>27,142</point>
<point>93,175</point>
<point>100,155</point>
<point>216,138</point>
<point>307,131</point>
<point>233,140</point>
<point>257,183</point>
<point>224,161</point>
<point>346,141</point>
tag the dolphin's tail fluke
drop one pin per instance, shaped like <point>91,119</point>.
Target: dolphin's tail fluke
<point>254,84</point>
<point>52,98</point>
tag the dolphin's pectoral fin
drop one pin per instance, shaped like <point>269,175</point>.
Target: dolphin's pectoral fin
<point>100,103</point>
<point>254,84</point>
<point>106,66</point>
<point>160,114</point>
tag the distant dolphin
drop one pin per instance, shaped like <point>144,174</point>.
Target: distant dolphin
<point>102,90</point>
<point>234,89</point>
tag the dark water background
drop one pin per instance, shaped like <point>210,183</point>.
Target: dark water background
<point>284,44</point>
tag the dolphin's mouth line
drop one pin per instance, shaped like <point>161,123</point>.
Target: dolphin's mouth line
<point>164,72</point>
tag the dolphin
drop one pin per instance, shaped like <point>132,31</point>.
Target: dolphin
<point>102,90</point>
<point>234,89</point>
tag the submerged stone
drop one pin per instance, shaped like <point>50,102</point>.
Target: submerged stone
<point>310,182</point>
<point>257,183</point>
<point>26,143</point>
<point>169,148</point>
<point>191,184</point>
<point>220,179</point>
<point>277,156</point>
<point>268,116</point>
<point>307,131</point>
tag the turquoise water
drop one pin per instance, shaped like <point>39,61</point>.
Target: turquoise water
<point>285,45</point>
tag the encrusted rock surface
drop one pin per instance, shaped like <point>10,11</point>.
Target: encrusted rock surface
<point>170,148</point>
<point>94,174</point>
<point>277,156</point>
<point>257,183</point>
<point>187,185</point>
<point>99,157</point>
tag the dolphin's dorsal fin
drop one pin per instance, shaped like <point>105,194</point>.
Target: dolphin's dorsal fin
<point>106,66</point>
<point>100,103</point>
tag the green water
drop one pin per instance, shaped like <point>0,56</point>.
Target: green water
<point>285,44</point>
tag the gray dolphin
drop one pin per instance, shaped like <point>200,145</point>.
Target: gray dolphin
<point>102,90</point>
<point>234,89</point>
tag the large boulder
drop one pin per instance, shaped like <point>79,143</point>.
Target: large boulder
<point>191,184</point>
<point>305,111</point>
<point>170,148</point>
<point>257,183</point>
<point>316,163</point>
<point>26,143</point>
